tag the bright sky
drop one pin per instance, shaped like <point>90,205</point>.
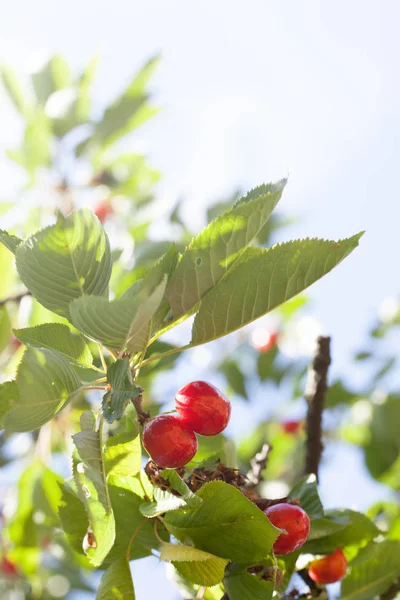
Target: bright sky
<point>254,91</point>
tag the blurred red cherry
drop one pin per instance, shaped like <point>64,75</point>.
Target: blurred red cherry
<point>264,340</point>
<point>8,567</point>
<point>328,569</point>
<point>102,211</point>
<point>14,344</point>
<point>291,427</point>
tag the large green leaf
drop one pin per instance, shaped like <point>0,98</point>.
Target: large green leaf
<point>121,390</point>
<point>120,324</point>
<point>14,89</point>
<point>306,491</point>
<point>90,477</point>
<point>9,393</point>
<point>218,247</point>
<point>56,336</point>
<point>35,149</point>
<point>5,328</point>
<point>262,280</point>
<point>195,565</point>
<point>372,572</point>
<point>9,241</point>
<point>227,524</point>
<point>73,517</point>
<point>348,528</point>
<point>243,586</point>
<point>165,500</point>
<point>123,455</point>
<point>66,261</point>
<point>116,583</point>
<point>46,382</point>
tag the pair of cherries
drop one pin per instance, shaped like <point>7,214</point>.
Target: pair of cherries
<point>170,440</point>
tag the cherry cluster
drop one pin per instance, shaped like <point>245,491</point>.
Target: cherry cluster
<point>170,439</point>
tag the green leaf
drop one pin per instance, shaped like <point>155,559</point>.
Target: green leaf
<point>123,455</point>
<point>90,477</point>
<point>73,518</point>
<point>54,75</point>
<point>9,393</point>
<point>195,565</point>
<point>262,280</point>
<point>383,447</point>
<point>58,337</point>
<point>66,261</point>
<point>35,150</point>
<point>9,241</point>
<point>121,390</point>
<point>372,572</point>
<point>227,524</point>
<point>14,89</point>
<point>5,328</point>
<point>243,586</point>
<point>46,382</point>
<point>306,491</point>
<point>120,324</point>
<point>218,247</point>
<point>116,583</point>
<point>165,501</point>
<point>349,528</point>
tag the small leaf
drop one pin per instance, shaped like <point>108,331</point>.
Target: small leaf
<point>14,89</point>
<point>166,501</point>
<point>65,261</point>
<point>56,336</point>
<point>243,586</point>
<point>262,280</point>
<point>10,241</point>
<point>90,478</point>
<point>5,328</point>
<point>116,583</point>
<point>227,524</point>
<point>375,568</point>
<point>306,491</point>
<point>219,246</point>
<point>123,455</point>
<point>234,377</point>
<point>52,76</point>
<point>46,382</point>
<point>121,390</point>
<point>195,565</point>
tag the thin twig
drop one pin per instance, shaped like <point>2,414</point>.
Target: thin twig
<point>392,592</point>
<point>258,464</point>
<point>315,395</point>
<point>16,298</point>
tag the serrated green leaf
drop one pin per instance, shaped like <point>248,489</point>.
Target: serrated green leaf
<point>227,524</point>
<point>121,390</point>
<point>195,565</point>
<point>116,583</point>
<point>372,572</point>
<point>73,517</point>
<point>243,586</point>
<point>120,324</point>
<point>358,530</point>
<point>66,261</point>
<point>165,501</point>
<point>5,328</point>
<point>123,455</point>
<point>219,246</point>
<point>11,242</point>
<point>14,89</point>
<point>46,382</point>
<point>58,337</point>
<point>306,490</point>
<point>9,393</point>
<point>90,477</point>
<point>262,280</point>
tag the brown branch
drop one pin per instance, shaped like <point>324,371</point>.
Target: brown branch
<point>258,464</point>
<point>315,395</point>
<point>16,298</point>
<point>392,592</point>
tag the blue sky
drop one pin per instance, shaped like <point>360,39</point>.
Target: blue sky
<point>254,91</point>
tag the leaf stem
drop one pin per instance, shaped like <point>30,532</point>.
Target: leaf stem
<point>164,354</point>
<point>103,362</point>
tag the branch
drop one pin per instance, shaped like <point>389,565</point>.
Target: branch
<point>258,464</point>
<point>16,298</point>
<point>315,395</point>
<point>392,592</point>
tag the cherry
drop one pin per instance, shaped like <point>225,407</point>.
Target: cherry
<point>296,523</point>
<point>169,441</point>
<point>203,408</point>
<point>14,344</point>
<point>329,569</point>
<point>291,427</point>
<point>263,341</point>
<point>102,211</point>
<point>8,567</point>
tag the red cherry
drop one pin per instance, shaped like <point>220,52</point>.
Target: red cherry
<point>329,569</point>
<point>170,443</point>
<point>203,408</point>
<point>14,344</point>
<point>102,211</point>
<point>296,523</point>
<point>8,567</point>
<point>263,341</point>
<point>291,427</point>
